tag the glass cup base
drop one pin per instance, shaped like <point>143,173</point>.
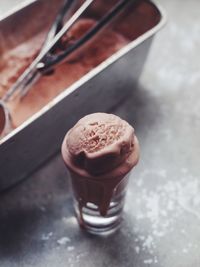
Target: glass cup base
<point>90,219</point>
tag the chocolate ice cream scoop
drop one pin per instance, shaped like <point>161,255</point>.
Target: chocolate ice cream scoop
<point>99,151</point>
<point>99,143</point>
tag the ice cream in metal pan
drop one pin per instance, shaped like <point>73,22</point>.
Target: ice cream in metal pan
<point>49,56</point>
<point>95,80</point>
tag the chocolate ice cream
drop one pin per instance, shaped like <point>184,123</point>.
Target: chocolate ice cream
<point>48,87</point>
<point>140,16</point>
<point>99,151</point>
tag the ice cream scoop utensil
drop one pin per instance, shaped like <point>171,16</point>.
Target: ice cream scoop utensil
<point>46,60</point>
<point>32,73</point>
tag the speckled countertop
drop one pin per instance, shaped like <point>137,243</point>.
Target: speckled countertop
<point>162,212</point>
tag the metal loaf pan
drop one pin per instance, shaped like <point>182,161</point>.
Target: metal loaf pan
<point>40,137</point>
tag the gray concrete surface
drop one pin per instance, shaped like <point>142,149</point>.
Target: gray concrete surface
<point>162,212</point>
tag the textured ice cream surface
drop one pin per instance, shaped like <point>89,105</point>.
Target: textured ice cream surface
<point>14,62</point>
<point>100,143</point>
<point>97,132</point>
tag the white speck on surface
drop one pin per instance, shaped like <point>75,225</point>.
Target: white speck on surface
<point>184,170</point>
<point>163,173</point>
<point>65,220</point>
<point>183,231</point>
<point>149,261</point>
<point>170,205</point>
<point>137,249</point>
<point>42,208</point>
<point>70,248</point>
<point>155,260</point>
<point>139,182</point>
<point>80,256</point>
<point>142,237</point>
<point>69,221</point>
<point>190,245</point>
<point>63,240</point>
<point>158,233</point>
<point>163,213</point>
<point>185,250</point>
<point>47,236</point>
<point>140,216</point>
<point>148,243</point>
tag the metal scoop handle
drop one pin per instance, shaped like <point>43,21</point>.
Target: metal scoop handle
<point>52,39</point>
<point>101,23</point>
<point>31,74</point>
<point>46,59</point>
<point>49,60</point>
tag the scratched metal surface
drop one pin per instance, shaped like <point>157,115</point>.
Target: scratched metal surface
<point>162,213</point>
<point>108,76</point>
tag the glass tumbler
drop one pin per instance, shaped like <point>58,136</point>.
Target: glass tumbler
<point>98,204</point>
